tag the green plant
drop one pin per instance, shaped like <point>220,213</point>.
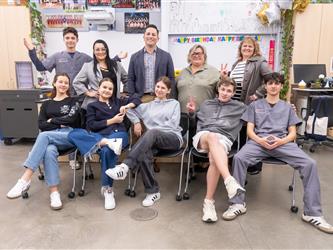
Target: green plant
<point>37,29</point>
<point>287,49</point>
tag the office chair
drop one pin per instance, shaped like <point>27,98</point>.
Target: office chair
<point>184,123</point>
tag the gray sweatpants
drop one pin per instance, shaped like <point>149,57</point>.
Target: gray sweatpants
<point>142,155</point>
<point>252,153</point>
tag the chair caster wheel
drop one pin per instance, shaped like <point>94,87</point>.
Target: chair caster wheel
<point>25,195</point>
<point>81,193</point>
<point>127,192</point>
<point>71,195</point>
<point>294,209</point>
<point>178,197</point>
<point>41,177</point>
<point>91,176</point>
<point>8,142</point>
<point>186,196</point>
<point>132,194</point>
<point>290,188</point>
<point>312,149</point>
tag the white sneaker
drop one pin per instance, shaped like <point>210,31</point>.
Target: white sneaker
<point>55,201</point>
<point>109,201</point>
<point>74,164</point>
<point>233,187</point>
<point>318,222</point>
<point>115,145</point>
<point>119,172</point>
<point>18,189</point>
<point>209,213</point>
<point>151,199</point>
<point>233,211</point>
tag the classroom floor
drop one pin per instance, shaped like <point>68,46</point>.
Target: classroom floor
<point>84,224</point>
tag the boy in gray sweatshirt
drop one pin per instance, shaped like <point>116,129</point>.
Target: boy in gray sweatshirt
<point>218,123</point>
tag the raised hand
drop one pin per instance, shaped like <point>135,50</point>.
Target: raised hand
<point>224,70</point>
<point>191,107</point>
<point>28,44</point>
<point>122,54</point>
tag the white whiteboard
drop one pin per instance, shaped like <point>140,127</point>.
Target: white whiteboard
<point>218,52</point>
<point>216,17</point>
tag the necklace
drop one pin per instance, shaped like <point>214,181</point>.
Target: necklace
<point>108,104</point>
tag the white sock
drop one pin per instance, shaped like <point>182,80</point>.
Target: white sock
<point>228,179</point>
<point>209,201</point>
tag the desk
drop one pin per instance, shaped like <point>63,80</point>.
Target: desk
<point>302,102</point>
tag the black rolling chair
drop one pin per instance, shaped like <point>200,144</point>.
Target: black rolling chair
<point>184,123</point>
<point>86,161</point>
<point>194,152</point>
<point>41,175</point>
<point>292,186</point>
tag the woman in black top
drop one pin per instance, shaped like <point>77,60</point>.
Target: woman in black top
<point>107,134</point>
<point>56,119</point>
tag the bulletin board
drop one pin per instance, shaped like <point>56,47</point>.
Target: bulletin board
<point>219,26</point>
<point>216,17</point>
<point>221,49</point>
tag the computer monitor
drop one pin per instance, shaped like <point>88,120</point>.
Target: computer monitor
<point>308,72</point>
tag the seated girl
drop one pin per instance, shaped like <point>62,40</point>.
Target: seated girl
<point>57,117</point>
<point>161,118</point>
<point>106,133</point>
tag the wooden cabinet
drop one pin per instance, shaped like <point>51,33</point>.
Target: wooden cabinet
<point>14,26</point>
<point>313,42</point>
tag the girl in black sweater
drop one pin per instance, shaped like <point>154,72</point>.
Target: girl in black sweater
<point>56,119</point>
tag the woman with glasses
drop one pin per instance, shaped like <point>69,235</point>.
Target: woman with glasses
<point>198,80</point>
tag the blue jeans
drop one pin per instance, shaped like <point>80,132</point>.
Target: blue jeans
<point>45,150</point>
<point>87,143</point>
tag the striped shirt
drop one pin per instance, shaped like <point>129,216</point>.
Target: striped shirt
<point>149,61</point>
<point>237,74</point>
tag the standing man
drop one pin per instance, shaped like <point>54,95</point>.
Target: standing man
<point>271,129</point>
<point>69,61</point>
<point>147,65</point>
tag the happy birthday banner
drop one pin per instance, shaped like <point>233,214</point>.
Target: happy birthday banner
<point>212,39</point>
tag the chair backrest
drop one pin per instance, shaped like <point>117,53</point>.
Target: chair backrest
<point>184,123</point>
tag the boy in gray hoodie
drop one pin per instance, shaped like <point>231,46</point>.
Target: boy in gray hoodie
<point>218,124</point>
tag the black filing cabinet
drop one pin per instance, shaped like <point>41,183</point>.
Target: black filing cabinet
<point>19,114</point>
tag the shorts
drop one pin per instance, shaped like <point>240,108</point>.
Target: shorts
<point>222,139</point>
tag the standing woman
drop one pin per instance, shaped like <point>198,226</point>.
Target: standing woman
<point>161,118</point>
<point>249,73</point>
<point>87,80</point>
<point>56,119</point>
<point>106,133</point>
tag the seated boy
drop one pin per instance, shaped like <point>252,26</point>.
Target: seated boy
<point>218,124</point>
<point>271,129</point>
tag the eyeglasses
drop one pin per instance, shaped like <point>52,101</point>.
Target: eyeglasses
<point>197,54</point>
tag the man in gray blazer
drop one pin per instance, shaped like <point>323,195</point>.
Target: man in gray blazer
<point>147,65</point>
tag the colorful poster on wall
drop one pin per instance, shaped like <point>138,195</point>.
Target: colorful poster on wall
<point>123,3</point>
<point>136,22</point>
<point>51,4</point>
<point>75,5</point>
<point>99,2</point>
<point>59,21</point>
<point>144,5</point>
